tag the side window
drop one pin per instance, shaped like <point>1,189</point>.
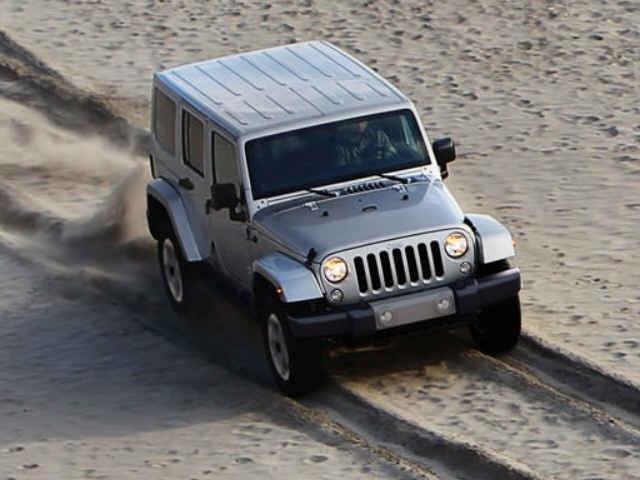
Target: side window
<point>225,167</point>
<point>164,121</point>
<point>192,142</point>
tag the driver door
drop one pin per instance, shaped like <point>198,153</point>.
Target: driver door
<point>229,228</point>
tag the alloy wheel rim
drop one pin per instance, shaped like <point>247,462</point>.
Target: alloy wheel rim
<point>171,267</point>
<point>278,347</point>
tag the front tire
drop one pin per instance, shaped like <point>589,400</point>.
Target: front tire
<point>177,275</point>
<point>497,328</point>
<point>297,365</point>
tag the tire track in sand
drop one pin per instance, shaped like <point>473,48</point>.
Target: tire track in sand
<point>495,409</point>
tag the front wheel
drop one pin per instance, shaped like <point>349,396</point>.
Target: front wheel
<point>296,364</point>
<point>497,328</point>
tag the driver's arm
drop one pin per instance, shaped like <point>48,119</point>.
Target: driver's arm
<point>386,145</point>
<point>377,141</point>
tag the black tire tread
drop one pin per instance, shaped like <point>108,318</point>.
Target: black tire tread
<point>306,356</point>
<point>497,328</point>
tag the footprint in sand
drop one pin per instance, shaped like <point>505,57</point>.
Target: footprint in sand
<point>252,428</point>
<point>616,452</point>
<point>541,444</point>
<point>318,458</point>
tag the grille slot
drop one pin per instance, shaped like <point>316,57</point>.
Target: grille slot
<point>386,269</point>
<point>411,262</point>
<point>399,268</point>
<point>399,264</point>
<point>373,271</point>
<point>360,273</point>
<point>437,259</point>
<point>424,261</point>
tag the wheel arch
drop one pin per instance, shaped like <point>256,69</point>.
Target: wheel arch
<point>494,240</point>
<point>158,219</point>
<point>165,209</point>
<point>289,279</point>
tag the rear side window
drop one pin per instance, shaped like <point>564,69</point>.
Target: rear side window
<point>164,121</point>
<point>192,142</point>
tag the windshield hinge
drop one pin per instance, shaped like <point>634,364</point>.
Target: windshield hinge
<point>311,256</point>
<point>313,206</point>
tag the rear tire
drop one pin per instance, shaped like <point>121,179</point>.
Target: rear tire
<point>297,365</point>
<point>497,328</point>
<point>178,275</point>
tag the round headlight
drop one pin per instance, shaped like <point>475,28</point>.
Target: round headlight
<point>335,269</point>
<point>456,245</point>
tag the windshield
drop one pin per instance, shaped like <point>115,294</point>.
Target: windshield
<point>334,152</point>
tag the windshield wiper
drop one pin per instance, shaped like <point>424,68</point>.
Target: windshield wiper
<point>393,177</point>
<point>325,193</point>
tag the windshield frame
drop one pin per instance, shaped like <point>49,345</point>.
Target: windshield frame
<point>421,137</point>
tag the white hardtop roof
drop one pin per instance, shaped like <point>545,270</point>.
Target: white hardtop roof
<point>261,91</point>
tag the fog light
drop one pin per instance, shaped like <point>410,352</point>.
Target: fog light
<point>465,268</point>
<point>443,304</point>
<point>386,317</point>
<point>336,295</point>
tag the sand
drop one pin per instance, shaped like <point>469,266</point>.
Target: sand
<point>543,103</point>
<point>88,392</point>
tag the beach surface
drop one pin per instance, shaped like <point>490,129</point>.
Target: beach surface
<point>102,381</point>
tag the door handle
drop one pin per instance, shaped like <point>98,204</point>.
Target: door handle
<point>186,183</point>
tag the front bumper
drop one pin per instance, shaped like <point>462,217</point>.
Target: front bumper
<point>446,306</point>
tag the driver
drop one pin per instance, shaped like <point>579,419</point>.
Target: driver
<point>364,143</point>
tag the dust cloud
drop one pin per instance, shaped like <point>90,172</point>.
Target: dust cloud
<point>66,187</point>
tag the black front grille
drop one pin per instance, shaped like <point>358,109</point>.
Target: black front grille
<point>398,267</point>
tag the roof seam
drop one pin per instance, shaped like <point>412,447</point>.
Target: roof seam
<point>308,63</point>
<point>279,104</point>
<point>345,56</point>
<point>364,68</point>
<point>325,95</point>
<point>232,92</point>
<point>236,118</point>
<point>376,90</point>
<point>217,102</point>
<point>266,74</point>
<point>275,60</point>
<point>259,112</point>
<point>334,61</point>
<point>241,77</point>
<point>307,100</point>
<point>353,94</point>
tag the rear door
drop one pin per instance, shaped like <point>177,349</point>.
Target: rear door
<point>194,173</point>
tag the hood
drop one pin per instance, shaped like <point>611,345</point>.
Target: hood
<point>334,224</point>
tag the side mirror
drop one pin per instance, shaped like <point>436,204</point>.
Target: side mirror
<point>224,196</point>
<point>445,151</point>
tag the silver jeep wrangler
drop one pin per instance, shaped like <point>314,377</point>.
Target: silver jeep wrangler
<point>307,180</point>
